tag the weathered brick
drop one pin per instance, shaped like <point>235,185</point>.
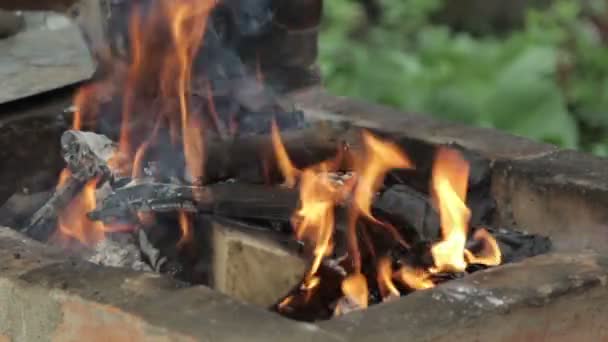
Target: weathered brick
<point>557,297</point>
<point>45,296</point>
<point>563,195</point>
<point>491,143</point>
<point>251,265</point>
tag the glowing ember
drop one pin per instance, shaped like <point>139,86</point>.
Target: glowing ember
<point>73,221</point>
<point>490,253</point>
<point>289,171</point>
<point>354,288</point>
<point>385,281</point>
<point>415,279</point>
<point>185,226</point>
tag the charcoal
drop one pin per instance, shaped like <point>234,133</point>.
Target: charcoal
<point>482,207</point>
<point>422,155</point>
<point>516,245</point>
<point>406,208</point>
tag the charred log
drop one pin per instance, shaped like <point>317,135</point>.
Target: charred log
<point>86,155</point>
<point>244,201</point>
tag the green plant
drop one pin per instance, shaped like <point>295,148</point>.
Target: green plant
<point>547,81</point>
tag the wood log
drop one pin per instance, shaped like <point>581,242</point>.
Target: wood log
<point>236,200</point>
<point>43,222</point>
<point>252,158</point>
<point>86,155</point>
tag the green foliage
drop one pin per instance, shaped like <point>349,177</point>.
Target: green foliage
<point>548,81</point>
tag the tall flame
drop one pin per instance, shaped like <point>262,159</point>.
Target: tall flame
<point>380,157</point>
<point>188,28</point>
<point>314,220</point>
<point>449,185</point>
<point>289,171</point>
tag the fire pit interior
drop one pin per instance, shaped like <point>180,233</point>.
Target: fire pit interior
<point>184,158</point>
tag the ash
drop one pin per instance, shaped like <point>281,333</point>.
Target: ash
<point>119,250</point>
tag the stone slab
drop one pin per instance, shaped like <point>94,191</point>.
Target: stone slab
<point>493,144</point>
<point>39,60</point>
<point>47,296</point>
<point>563,195</point>
<point>557,297</point>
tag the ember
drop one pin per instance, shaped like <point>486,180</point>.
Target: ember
<point>200,137</point>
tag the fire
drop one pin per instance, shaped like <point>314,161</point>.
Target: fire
<point>385,281</point>
<point>73,221</point>
<point>449,186</point>
<point>153,68</point>
<point>450,176</point>
<point>188,28</point>
<point>490,253</point>
<point>416,279</point>
<point>164,72</point>
<point>289,171</point>
<point>63,177</point>
<point>314,221</point>
<point>380,157</point>
<point>185,226</point>
<point>354,287</point>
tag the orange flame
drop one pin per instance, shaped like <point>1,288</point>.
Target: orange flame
<point>188,28</point>
<point>63,178</point>
<point>354,287</point>
<point>314,221</point>
<point>415,279</point>
<point>380,157</point>
<point>385,281</point>
<point>186,229</point>
<point>289,171</point>
<point>490,254</point>
<point>449,185</point>
<point>73,221</point>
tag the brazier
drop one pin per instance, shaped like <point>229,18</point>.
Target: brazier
<point>558,296</point>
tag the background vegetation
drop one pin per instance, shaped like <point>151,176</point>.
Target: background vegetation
<point>546,78</point>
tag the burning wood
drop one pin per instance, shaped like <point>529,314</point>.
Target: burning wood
<point>245,201</point>
<point>195,151</point>
<point>86,155</point>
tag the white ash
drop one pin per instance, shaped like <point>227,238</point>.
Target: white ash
<point>339,178</point>
<point>119,250</point>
